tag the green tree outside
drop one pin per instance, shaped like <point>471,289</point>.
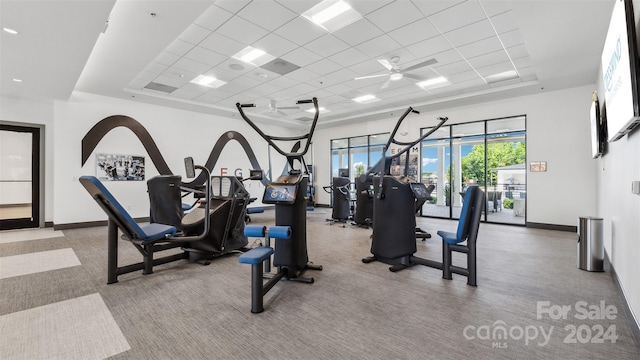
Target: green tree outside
<point>498,154</point>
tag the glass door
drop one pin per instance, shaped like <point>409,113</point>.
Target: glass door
<point>436,158</point>
<point>467,162</point>
<point>19,177</point>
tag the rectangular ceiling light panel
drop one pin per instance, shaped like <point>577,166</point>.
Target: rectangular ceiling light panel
<point>332,15</point>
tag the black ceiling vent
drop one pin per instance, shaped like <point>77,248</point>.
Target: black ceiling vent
<point>280,66</point>
<point>161,87</point>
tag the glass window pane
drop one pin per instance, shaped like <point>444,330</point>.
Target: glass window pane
<point>358,141</point>
<point>339,143</point>
<point>470,129</point>
<point>379,139</point>
<point>506,125</point>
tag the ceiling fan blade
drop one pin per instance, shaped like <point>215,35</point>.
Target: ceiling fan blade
<point>386,84</point>
<point>386,63</point>
<point>422,64</point>
<point>370,76</point>
<point>414,77</point>
<point>282,113</point>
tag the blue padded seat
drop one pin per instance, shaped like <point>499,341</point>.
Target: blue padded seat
<point>256,255</point>
<point>155,232</point>
<point>255,210</point>
<point>462,233</point>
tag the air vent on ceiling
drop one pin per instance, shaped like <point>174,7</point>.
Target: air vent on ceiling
<point>161,87</point>
<point>280,66</point>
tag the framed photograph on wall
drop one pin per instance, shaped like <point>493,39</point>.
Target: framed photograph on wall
<point>116,167</point>
<point>538,166</point>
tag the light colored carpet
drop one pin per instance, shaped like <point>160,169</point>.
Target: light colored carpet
<point>80,328</point>
<point>32,263</point>
<point>9,236</point>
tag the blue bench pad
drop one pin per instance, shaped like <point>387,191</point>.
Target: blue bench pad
<point>256,255</point>
<point>254,210</point>
<point>449,237</point>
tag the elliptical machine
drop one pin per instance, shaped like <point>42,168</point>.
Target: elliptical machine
<point>395,202</point>
<point>289,194</point>
<point>341,195</point>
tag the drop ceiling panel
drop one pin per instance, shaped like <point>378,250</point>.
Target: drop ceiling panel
<point>336,77</point>
<point>394,15</point>
<point>435,6</point>
<point>457,16</point>
<point>326,45</point>
<point>429,47</point>
<point>302,75</point>
<point>300,31</point>
<point>481,47</point>
<point>379,46</point>
<point>365,7</point>
<point>301,57</point>
<point>511,38</point>
<point>463,76</point>
<point>247,82</point>
<point>504,22</point>
<point>189,91</point>
<point>470,33</point>
<point>267,14</point>
<point>517,51</point>
<point>348,57</point>
<point>191,65</point>
<point>241,30</point>
<point>298,6</point>
<point>205,56</point>
<point>166,58</point>
<point>492,7</point>
<point>275,45</point>
<point>213,17</point>
<point>414,32</point>
<point>222,44</point>
<point>232,5</point>
<point>358,32</point>
<point>324,66</point>
<point>179,47</point>
<point>488,59</point>
<point>495,68</point>
<point>447,57</point>
<point>453,68</point>
<point>194,34</point>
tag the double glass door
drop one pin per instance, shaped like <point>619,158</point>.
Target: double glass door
<point>19,177</point>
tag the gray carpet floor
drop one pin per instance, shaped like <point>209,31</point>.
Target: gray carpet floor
<point>353,310</point>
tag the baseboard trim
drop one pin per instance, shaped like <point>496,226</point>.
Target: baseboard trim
<point>552,227</point>
<point>322,205</point>
<point>634,326</point>
<point>89,224</point>
<point>48,224</point>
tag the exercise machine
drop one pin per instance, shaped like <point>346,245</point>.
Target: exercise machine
<point>289,195</point>
<point>341,200</point>
<point>148,239</point>
<point>395,201</point>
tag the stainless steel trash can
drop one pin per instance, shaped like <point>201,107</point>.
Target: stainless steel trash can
<point>590,244</point>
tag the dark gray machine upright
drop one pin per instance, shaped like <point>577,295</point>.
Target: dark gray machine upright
<point>341,199</point>
<point>394,207</point>
<point>289,194</point>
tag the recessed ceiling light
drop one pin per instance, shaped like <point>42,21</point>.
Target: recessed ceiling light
<point>320,109</point>
<point>332,15</point>
<point>208,81</point>
<point>10,31</point>
<point>366,99</point>
<point>505,75</point>
<point>395,76</point>
<point>17,80</point>
<point>434,83</point>
<point>236,67</point>
<point>251,54</point>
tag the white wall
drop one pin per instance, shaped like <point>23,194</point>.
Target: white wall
<point>177,134</point>
<point>557,132</point>
<point>39,114</point>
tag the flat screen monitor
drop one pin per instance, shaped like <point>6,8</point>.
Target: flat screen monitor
<point>343,172</point>
<point>620,72</point>
<point>596,141</point>
<point>279,194</point>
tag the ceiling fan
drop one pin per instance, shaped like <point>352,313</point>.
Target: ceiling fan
<point>396,72</point>
<point>274,108</point>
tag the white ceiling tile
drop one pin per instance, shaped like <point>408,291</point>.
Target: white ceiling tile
<point>323,67</point>
<point>303,89</point>
<point>370,67</point>
<point>470,33</point>
<point>213,17</point>
<point>430,7</point>
<point>469,85</point>
<point>205,56</point>
<point>147,76</point>
<point>429,47</point>
<point>232,5</point>
<point>194,34</point>
<point>458,16</point>
<point>179,47</point>
<point>191,65</point>
<point>300,31</point>
<point>483,46</point>
<point>495,68</point>
<point>453,68</point>
<point>275,45</point>
<point>504,22</point>
<point>364,7</point>
<point>326,45</point>
<point>394,15</point>
<point>463,76</point>
<point>488,59</point>
<point>378,46</point>
<point>189,91</point>
<point>166,58</point>
<point>285,81</point>
<point>221,44</point>
<point>213,95</point>
<point>348,57</point>
<point>301,75</point>
<point>247,81</point>
<point>527,72</point>
<point>266,14</point>
<point>242,30</point>
<point>301,57</point>
<point>336,77</point>
<point>447,57</point>
<point>523,62</point>
<point>138,83</point>
<point>231,65</point>
<point>511,38</point>
<point>298,6</point>
<point>177,77</point>
<point>156,68</point>
<point>223,73</point>
<point>339,89</point>
<point>494,7</point>
<point>518,51</point>
<point>415,32</point>
<point>357,32</point>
